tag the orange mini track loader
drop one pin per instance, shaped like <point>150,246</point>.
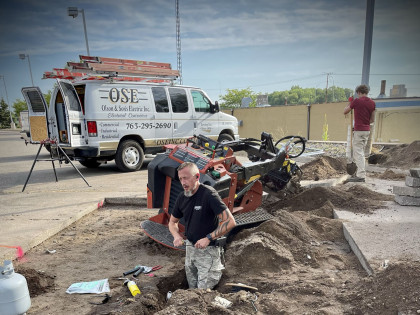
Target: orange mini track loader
<point>240,185</point>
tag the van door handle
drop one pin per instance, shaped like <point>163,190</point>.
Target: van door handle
<point>195,124</point>
<point>175,125</point>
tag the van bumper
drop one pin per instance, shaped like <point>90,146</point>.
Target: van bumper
<point>81,151</point>
<point>88,152</point>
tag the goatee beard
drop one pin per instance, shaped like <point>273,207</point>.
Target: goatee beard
<point>188,193</point>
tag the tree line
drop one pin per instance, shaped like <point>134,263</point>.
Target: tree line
<point>295,96</point>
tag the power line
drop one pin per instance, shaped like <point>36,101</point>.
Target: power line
<point>378,74</point>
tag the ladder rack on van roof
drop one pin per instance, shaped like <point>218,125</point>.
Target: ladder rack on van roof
<point>102,68</point>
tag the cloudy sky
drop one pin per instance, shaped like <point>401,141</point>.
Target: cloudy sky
<point>266,45</point>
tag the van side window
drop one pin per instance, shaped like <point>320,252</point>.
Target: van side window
<point>201,102</point>
<point>161,101</point>
<point>179,100</point>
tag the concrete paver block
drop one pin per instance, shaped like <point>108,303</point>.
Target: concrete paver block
<point>407,200</point>
<point>415,172</point>
<point>412,181</point>
<point>406,191</point>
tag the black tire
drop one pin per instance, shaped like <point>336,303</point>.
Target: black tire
<point>130,156</point>
<point>298,148</point>
<point>92,163</point>
<point>225,137</point>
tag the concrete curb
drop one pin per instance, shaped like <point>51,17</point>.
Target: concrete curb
<point>356,250</point>
<point>126,201</point>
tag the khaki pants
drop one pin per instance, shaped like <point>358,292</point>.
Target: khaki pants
<point>360,139</point>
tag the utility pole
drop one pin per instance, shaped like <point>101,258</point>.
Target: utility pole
<point>178,41</point>
<point>326,89</point>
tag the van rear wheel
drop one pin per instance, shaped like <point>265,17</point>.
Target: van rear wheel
<point>129,156</point>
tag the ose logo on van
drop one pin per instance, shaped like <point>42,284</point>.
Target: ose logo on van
<point>123,95</point>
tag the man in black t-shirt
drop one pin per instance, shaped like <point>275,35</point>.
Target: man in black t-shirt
<point>206,218</point>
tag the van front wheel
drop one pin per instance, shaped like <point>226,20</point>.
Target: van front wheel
<point>225,137</point>
<point>129,156</point>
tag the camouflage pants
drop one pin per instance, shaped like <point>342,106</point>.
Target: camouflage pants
<point>203,267</point>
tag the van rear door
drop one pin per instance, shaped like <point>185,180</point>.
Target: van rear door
<point>70,116</point>
<point>37,108</point>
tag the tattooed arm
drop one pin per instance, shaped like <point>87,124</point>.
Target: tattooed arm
<point>226,223</point>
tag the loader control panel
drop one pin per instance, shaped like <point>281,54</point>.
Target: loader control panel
<point>187,154</point>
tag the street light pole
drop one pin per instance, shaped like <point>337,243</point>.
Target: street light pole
<point>23,56</point>
<point>73,12</point>
<point>12,124</point>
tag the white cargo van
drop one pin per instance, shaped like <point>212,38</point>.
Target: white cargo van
<point>99,120</point>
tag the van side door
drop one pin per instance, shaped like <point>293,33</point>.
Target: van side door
<point>38,114</point>
<point>70,118</point>
<point>182,114</point>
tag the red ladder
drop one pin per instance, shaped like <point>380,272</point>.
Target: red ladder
<point>100,68</point>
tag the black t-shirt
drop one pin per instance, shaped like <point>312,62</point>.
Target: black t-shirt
<point>199,211</point>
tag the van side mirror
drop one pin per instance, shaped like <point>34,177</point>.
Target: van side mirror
<point>214,108</point>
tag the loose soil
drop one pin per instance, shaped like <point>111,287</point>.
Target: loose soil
<point>400,156</point>
<point>324,167</point>
<point>299,261</point>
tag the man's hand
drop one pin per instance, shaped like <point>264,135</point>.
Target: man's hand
<point>174,229</point>
<point>178,241</point>
<point>202,243</point>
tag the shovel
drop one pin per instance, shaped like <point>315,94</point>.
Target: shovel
<point>351,167</point>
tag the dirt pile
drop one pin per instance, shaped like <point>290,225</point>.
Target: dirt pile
<point>39,282</point>
<point>355,198</point>
<point>324,167</point>
<point>389,175</point>
<point>382,293</point>
<point>401,156</point>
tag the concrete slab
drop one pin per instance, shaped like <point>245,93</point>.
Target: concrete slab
<point>407,201</point>
<point>391,233</point>
<point>406,191</point>
<point>324,182</point>
<point>412,181</point>
<point>415,172</point>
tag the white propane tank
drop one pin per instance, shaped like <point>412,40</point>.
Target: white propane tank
<point>14,292</point>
